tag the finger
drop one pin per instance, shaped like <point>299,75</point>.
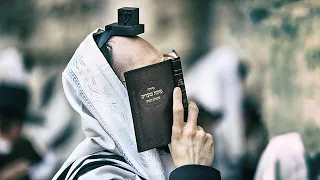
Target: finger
<point>209,144</point>
<point>192,114</point>
<point>201,135</point>
<point>178,111</point>
<point>209,140</point>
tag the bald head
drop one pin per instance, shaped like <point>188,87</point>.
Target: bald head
<point>130,53</point>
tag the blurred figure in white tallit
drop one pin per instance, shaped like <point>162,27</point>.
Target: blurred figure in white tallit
<point>284,158</point>
<point>19,158</point>
<point>221,95</point>
<point>59,129</point>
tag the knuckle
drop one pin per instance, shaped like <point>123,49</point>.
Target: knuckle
<point>210,138</point>
<point>193,108</point>
<point>176,135</point>
<point>211,143</point>
<point>201,134</point>
<point>176,131</point>
<point>178,110</point>
<point>191,133</point>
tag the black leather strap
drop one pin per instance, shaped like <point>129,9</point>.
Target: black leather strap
<point>105,36</point>
<point>101,38</point>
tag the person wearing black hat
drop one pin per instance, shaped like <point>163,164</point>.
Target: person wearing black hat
<point>16,152</point>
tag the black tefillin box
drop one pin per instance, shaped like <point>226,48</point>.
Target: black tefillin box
<point>128,16</point>
<point>128,23</point>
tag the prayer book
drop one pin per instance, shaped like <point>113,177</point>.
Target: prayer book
<point>150,91</point>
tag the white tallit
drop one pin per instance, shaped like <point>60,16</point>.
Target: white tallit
<point>220,90</point>
<point>216,74</point>
<point>11,67</point>
<point>95,92</point>
<point>284,158</point>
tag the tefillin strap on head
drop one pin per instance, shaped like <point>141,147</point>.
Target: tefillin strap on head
<point>127,25</point>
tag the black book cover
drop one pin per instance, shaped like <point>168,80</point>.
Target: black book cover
<point>150,92</point>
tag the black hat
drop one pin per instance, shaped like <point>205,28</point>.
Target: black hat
<point>13,100</point>
<point>13,89</point>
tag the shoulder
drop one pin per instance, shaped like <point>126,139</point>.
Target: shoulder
<point>110,172</point>
<point>100,165</point>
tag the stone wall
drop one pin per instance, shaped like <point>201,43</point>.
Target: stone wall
<point>281,41</point>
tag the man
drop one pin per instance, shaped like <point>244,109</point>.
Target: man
<point>283,158</point>
<point>94,85</point>
<point>18,157</point>
<point>221,93</point>
<point>256,134</point>
<point>16,153</point>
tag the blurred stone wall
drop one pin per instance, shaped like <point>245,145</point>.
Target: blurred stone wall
<point>61,25</point>
<point>281,40</point>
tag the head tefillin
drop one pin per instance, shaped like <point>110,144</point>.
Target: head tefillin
<point>127,25</point>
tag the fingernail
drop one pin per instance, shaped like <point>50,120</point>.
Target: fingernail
<point>177,89</point>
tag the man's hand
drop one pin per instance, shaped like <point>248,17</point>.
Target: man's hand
<point>15,170</point>
<point>189,143</point>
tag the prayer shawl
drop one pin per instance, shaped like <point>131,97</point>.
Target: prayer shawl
<point>11,67</point>
<point>284,158</point>
<point>213,83</point>
<point>95,92</point>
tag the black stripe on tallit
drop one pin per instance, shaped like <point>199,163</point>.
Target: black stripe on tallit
<point>91,166</point>
<point>96,164</point>
<point>64,174</point>
<point>115,157</point>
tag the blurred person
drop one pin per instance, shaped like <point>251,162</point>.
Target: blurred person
<point>207,119</point>
<point>18,157</point>
<point>50,104</point>
<point>214,83</point>
<point>243,71</point>
<point>18,24</point>
<point>94,85</point>
<point>223,76</point>
<point>256,134</point>
<point>313,163</point>
<point>16,153</point>
<point>284,158</point>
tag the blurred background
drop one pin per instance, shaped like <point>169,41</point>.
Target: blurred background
<point>277,43</point>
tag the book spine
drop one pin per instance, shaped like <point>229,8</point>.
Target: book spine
<point>179,82</point>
